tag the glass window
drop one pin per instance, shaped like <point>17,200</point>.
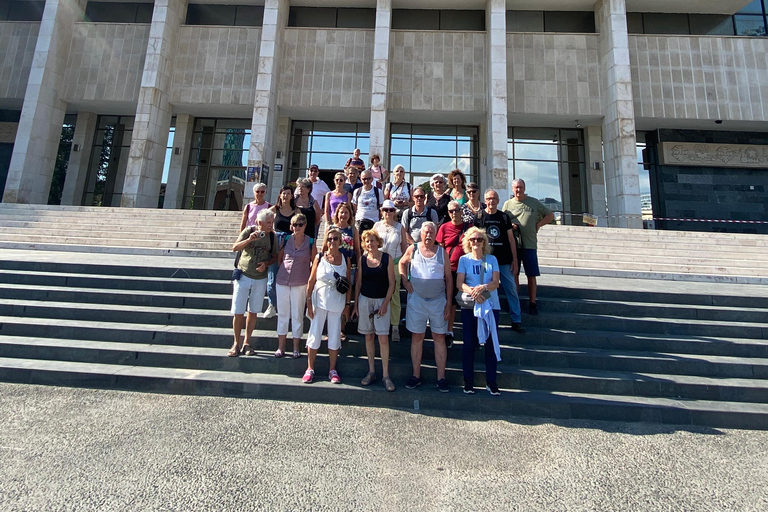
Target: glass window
<point>644,173</point>
<point>118,12</point>
<point>635,23</point>
<point>249,16</point>
<point>144,13</point>
<point>23,11</point>
<point>665,23</point>
<point>525,21</point>
<point>462,20</point>
<point>711,24</point>
<point>415,19</point>
<point>754,7</point>
<point>748,25</point>
<point>327,144</point>
<point>312,17</point>
<point>109,158</point>
<point>356,18</point>
<point>576,21</point>
<point>207,14</point>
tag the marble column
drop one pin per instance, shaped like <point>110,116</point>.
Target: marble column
<point>593,137</point>
<point>621,177</point>
<point>264,121</point>
<point>177,170</point>
<point>496,131</point>
<point>77,167</point>
<point>143,176</point>
<point>42,114</point>
<point>379,119</point>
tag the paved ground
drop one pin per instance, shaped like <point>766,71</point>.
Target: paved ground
<point>78,449</point>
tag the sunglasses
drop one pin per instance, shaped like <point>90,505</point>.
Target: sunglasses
<point>300,225</point>
<point>454,211</point>
<point>470,191</point>
<point>261,191</point>
<point>388,210</point>
<point>419,197</point>
<point>478,240</point>
<point>333,239</point>
<point>314,170</point>
<point>338,180</point>
<point>367,179</point>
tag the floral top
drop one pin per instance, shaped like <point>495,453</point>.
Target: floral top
<point>347,247</point>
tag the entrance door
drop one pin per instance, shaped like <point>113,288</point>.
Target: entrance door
<point>109,159</point>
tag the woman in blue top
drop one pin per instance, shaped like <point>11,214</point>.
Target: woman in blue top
<point>478,278</point>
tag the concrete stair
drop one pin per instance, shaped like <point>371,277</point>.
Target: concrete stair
<point>613,349</point>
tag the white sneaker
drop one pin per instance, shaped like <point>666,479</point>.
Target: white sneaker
<point>271,312</point>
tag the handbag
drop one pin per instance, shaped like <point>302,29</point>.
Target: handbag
<point>342,283</point>
<point>465,300</point>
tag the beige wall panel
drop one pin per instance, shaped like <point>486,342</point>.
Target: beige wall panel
<point>105,62</point>
<point>326,68</point>
<point>17,40</point>
<point>555,74</point>
<point>440,71</point>
<point>215,65</point>
<point>700,77</point>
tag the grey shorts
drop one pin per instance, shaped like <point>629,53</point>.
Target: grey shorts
<point>379,325</point>
<point>420,311</point>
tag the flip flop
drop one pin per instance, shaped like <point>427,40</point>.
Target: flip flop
<point>247,350</point>
<point>296,354</point>
<point>279,353</point>
<point>234,351</point>
<point>369,379</point>
<point>388,384</point>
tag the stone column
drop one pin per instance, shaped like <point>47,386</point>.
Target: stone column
<point>264,122</point>
<point>77,168</point>
<point>144,173</point>
<point>621,178</point>
<point>379,118</point>
<point>42,114</point>
<point>177,170</point>
<point>496,132</point>
<point>593,136</point>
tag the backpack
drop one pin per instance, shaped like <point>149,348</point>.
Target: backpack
<point>388,188</point>
<point>427,214</point>
<point>376,192</point>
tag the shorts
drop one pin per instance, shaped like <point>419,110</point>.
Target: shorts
<point>420,311</point>
<point>530,262</point>
<point>248,292</point>
<point>380,324</point>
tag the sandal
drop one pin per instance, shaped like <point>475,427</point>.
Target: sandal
<point>247,350</point>
<point>369,379</point>
<point>279,353</point>
<point>296,354</point>
<point>234,351</point>
<point>388,384</point>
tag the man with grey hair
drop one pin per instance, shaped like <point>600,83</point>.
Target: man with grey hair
<point>367,199</point>
<point>530,215</point>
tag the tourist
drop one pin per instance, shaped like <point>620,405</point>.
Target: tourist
<point>367,201</point>
<point>500,229</point>
<point>418,214</point>
<point>319,187</point>
<point>373,292</point>
<point>336,196</point>
<point>450,235</point>
<point>344,221</point>
<point>425,272</point>
<point>305,202</point>
<point>472,210</point>
<point>284,210</point>
<point>399,191</point>
<point>380,174</point>
<point>295,260</point>
<point>353,182</point>
<point>258,250</point>
<point>394,243</point>
<point>325,304</point>
<point>439,199</point>
<point>457,181</point>
<point>253,208</point>
<point>528,213</point>
<point>355,161</point>
<point>478,281</point>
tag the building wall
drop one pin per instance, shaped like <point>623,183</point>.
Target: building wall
<point>215,65</point>
<point>700,77</point>
<point>437,71</point>
<point>553,74</point>
<point>326,68</point>
<point>17,39</point>
<point>105,62</point>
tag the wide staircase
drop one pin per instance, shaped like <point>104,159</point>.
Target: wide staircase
<point>139,300</point>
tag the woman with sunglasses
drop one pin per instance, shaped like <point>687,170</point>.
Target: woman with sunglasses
<point>399,191</point>
<point>284,210</point>
<point>395,243</point>
<point>336,197</point>
<point>373,295</point>
<point>457,181</point>
<point>344,221</point>
<point>478,279</point>
<point>472,210</point>
<point>308,206</point>
<point>450,235</point>
<point>325,304</point>
<point>253,208</point>
<point>295,261</point>
<point>439,199</point>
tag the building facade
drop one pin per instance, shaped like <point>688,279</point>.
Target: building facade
<point>623,109</point>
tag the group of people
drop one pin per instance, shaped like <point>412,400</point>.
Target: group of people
<point>448,247</point>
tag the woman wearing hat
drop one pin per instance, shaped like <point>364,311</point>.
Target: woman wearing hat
<point>392,234</point>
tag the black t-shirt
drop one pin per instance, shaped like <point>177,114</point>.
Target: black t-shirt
<point>441,207</point>
<point>496,227</point>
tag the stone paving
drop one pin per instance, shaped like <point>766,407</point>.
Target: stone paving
<point>78,449</point>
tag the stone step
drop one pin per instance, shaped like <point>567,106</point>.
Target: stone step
<point>121,233</point>
<point>182,269</point>
<point>550,404</point>
<point>65,239</point>
<point>677,275</point>
<point>110,249</point>
<point>41,209</point>
<point>652,247</point>
<point>601,233</point>
<point>654,266</point>
<point>169,225</point>
<point>725,257</point>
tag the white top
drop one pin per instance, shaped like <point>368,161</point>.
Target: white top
<point>319,189</point>
<point>428,274</point>
<point>367,205</point>
<point>392,236</point>
<point>325,295</point>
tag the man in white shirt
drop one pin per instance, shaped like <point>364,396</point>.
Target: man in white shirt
<point>367,199</point>
<point>319,187</point>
